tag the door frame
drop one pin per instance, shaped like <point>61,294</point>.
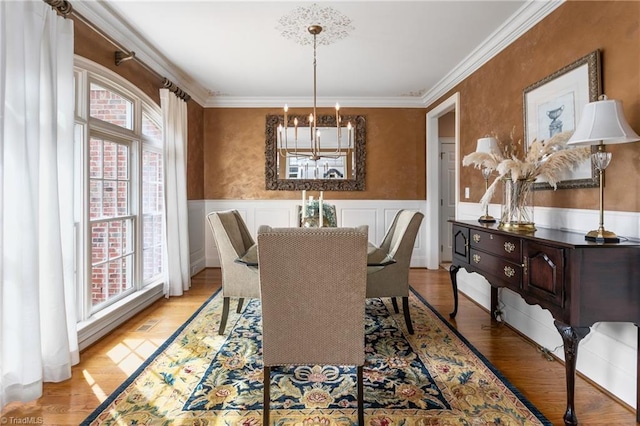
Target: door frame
<point>432,234</point>
<point>442,167</point>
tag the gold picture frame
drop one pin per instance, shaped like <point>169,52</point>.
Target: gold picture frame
<point>555,103</point>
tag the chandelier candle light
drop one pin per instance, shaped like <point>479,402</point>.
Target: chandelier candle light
<point>314,152</point>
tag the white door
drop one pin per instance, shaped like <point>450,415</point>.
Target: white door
<point>447,196</point>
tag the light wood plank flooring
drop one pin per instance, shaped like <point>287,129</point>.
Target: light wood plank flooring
<point>106,364</point>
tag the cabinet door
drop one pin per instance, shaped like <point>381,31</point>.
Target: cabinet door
<point>460,244</point>
<point>543,274</point>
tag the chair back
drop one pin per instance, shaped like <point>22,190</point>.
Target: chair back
<point>312,284</point>
<point>401,236</point>
<point>398,242</point>
<point>232,240</point>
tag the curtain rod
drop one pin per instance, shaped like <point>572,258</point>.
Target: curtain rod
<point>64,8</point>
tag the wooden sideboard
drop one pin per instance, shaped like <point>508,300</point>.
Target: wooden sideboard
<point>579,282</point>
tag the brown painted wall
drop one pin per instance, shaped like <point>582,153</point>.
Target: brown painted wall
<point>447,125</point>
<point>195,151</point>
<point>226,146</point>
<point>91,45</point>
<point>234,160</point>
<point>492,101</point>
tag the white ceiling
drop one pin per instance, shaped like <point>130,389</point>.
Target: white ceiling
<point>231,53</point>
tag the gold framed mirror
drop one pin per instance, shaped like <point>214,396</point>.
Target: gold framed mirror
<point>338,167</point>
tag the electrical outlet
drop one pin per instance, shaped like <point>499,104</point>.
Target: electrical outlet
<point>467,192</point>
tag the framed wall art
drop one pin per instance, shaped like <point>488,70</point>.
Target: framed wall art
<point>554,105</point>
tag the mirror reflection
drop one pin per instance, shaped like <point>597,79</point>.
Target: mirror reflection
<point>325,157</point>
<point>329,156</point>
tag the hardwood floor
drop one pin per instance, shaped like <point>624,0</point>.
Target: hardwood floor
<point>106,364</point>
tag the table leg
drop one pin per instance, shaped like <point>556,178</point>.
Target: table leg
<point>494,302</point>
<point>571,337</point>
<point>638,378</point>
<point>453,271</point>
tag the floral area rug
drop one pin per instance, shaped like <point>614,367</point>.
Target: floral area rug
<point>434,377</point>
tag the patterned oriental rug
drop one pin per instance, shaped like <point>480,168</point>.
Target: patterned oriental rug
<point>434,377</point>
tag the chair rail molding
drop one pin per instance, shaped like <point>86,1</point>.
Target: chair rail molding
<point>377,214</point>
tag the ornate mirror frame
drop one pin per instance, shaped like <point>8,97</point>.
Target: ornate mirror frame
<point>271,155</point>
<point>585,89</point>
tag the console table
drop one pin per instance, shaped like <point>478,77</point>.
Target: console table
<point>579,282</point>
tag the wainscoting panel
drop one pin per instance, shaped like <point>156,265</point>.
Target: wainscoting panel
<point>352,217</point>
<point>608,354</point>
<point>377,214</point>
<point>197,235</point>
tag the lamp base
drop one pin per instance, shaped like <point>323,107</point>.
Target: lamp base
<point>602,236</point>
<point>486,219</point>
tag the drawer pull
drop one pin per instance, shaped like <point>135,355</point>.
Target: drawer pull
<point>476,258</point>
<point>509,247</point>
<point>476,238</point>
<point>509,271</point>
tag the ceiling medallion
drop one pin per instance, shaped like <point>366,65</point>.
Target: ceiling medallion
<point>335,25</point>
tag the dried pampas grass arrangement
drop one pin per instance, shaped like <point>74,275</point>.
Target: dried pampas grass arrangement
<point>545,161</point>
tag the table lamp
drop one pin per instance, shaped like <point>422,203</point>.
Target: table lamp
<point>602,123</point>
<point>488,145</point>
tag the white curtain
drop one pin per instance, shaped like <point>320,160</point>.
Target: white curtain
<point>38,339</point>
<point>174,120</point>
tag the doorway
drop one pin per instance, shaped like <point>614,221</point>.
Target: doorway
<point>432,237</point>
<point>447,195</point>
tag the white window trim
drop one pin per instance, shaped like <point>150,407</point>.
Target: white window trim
<point>92,326</point>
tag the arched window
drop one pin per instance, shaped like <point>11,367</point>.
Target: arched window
<point>120,207</point>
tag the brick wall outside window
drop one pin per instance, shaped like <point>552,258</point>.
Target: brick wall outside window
<point>110,197</point>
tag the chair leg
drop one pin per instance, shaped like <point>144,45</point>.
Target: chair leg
<point>395,305</point>
<point>240,302</point>
<point>267,397</point>
<point>407,314</point>
<point>360,397</point>
<point>225,314</point>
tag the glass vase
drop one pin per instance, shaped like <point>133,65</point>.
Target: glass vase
<point>517,206</point>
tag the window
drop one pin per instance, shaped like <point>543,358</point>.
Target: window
<point>152,198</point>
<point>107,105</point>
<point>121,215</point>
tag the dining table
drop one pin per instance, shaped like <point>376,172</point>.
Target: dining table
<point>376,257</point>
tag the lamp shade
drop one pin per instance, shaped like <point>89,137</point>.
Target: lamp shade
<point>488,145</point>
<point>603,122</point>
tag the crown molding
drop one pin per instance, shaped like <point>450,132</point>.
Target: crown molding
<point>532,12</point>
<point>307,102</point>
<point>104,18</point>
<point>101,16</point>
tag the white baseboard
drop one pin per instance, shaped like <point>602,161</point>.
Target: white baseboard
<point>608,354</point>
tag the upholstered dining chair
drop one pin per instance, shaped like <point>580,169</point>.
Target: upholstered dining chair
<point>312,284</point>
<point>232,240</point>
<point>393,280</point>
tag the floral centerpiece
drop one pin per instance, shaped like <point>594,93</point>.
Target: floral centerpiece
<point>311,215</point>
<point>544,161</point>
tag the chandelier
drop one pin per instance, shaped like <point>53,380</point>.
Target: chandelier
<point>292,143</point>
